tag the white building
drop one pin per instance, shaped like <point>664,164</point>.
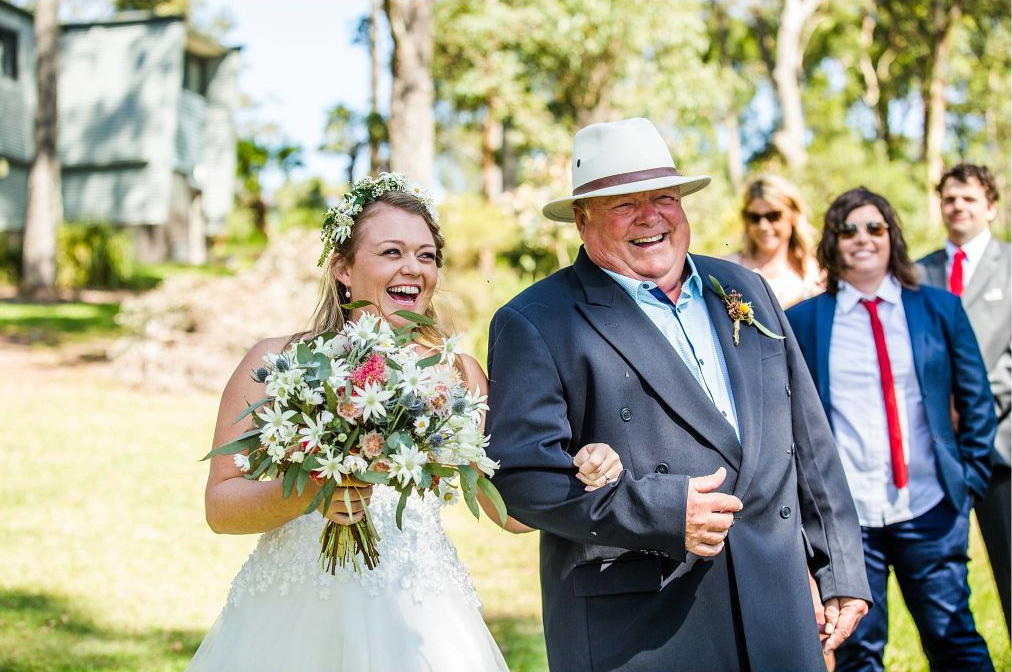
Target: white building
<point>147,137</point>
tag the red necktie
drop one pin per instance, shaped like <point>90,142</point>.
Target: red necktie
<point>888,395</point>
<point>956,274</point>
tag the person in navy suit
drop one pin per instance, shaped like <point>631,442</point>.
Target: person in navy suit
<point>891,359</point>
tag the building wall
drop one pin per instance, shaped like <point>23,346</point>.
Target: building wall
<point>17,112</point>
<point>120,86</point>
<point>216,170</point>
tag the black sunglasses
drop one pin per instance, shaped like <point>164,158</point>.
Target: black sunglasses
<point>850,229</point>
<point>753,218</point>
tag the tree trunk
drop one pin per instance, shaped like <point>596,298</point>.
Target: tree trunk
<point>491,143</point>
<point>45,204</point>
<point>790,139</point>
<point>374,67</point>
<point>945,19</point>
<point>412,121</point>
<point>735,168</point>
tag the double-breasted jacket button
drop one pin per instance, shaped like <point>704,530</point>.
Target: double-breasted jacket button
<point>785,512</point>
<point>625,414</point>
<point>787,389</point>
<point>661,468</point>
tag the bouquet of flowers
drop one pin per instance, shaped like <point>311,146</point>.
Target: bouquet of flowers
<point>364,403</point>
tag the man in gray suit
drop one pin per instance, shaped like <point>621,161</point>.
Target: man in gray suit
<point>976,266</point>
<point>697,557</point>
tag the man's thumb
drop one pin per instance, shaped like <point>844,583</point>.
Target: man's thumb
<point>710,482</point>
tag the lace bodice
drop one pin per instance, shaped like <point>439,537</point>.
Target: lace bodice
<point>419,559</point>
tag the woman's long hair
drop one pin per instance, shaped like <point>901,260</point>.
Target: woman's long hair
<point>783,194</point>
<point>829,247</point>
<point>330,315</point>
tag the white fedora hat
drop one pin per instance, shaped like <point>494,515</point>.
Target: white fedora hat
<point>620,157</point>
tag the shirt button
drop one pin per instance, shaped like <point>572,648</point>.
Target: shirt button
<point>724,413</point>
<point>790,451</point>
<point>700,360</point>
<point>661,468</point>
<point>625,414</point>
<point>785,512</point>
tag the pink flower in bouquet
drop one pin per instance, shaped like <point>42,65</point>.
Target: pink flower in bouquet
<point>372,444</point>
<point>439,403</point>
<point>380,464</point>
<point>348,410</point>
<point>372,370</point>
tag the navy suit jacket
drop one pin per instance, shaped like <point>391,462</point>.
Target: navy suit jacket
<point>573,360</point>
<point>950,373</point>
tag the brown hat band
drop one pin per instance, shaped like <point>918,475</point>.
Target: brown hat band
<point>624,178</point>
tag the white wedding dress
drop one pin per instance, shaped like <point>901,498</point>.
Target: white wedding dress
<point>416,612</point>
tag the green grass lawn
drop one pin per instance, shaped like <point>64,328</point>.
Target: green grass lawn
<point>53,323</point>
<point>107,565</point>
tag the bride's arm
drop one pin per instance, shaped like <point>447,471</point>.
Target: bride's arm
<point>236,505</point>
<point>597,463</point>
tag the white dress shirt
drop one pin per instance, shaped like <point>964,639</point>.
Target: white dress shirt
<point>974,250</point>
<point>690,332</point>
<point>858,411</point>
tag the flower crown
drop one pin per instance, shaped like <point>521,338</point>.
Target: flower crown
<point>339,220</point>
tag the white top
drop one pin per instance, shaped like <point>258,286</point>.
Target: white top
<point>858,412</point>
<point>974,249</point>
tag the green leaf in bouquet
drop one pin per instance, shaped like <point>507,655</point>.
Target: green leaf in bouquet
<point>391,364</point>
<point>325,493</point>
<point>490,491</point>
<point>260,470</point>
<point>374,477</point>
<point>245,441</point>
<point>355,305</point>
<point>310,462</point>
<point>301,479</point>
<point>290,476</point>
<point>401,503</point>
<point>441,470</point>
<point>303,353</point>
<point>429,361</point>
<point>252,407</point>
<point>468,485</point>
<point>398,440</point>
<point>322,364</point>
<point>416,318</point>
<point>331,397</point>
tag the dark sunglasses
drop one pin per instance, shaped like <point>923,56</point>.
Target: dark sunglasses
<point>753,218</point>
<point>849,229</point>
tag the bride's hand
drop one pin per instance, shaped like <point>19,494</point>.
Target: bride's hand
<point>347,506</point>
<point>598,465</point>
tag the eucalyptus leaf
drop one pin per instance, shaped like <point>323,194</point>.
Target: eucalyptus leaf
<point>300,481</point>
<point>246,441</point>
<point>252,407</point>
<point>289,482</point>
<point>766,332</point>
<point>303,354</point>
<point>429,361</point>
<point>716,286</point>
<point>354,305</point>
<point>416,318</point>
<point>493,495</point>
<point>310,462</point>
<point>374,477</point>
<point>472,501</point>
<point>401,503</point>
<point>440,470</point>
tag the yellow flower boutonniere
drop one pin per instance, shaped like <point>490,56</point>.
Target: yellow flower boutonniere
<point>740,311</point>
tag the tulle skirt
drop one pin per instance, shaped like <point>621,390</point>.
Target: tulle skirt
<point>349,630</point>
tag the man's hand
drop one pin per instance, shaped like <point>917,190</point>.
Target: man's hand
<point>708,514</point>
<point>842,616</point>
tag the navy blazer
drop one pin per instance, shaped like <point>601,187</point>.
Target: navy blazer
<point>949,371</point>
<point>573,360</point>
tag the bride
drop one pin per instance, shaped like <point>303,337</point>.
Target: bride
<point>417,611</point>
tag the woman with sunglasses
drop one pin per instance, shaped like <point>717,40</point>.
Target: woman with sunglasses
<point>895,363</point>
<point>778,241</point>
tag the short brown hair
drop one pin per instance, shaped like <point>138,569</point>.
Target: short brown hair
<point>964,172</point>
<point>829,249</point>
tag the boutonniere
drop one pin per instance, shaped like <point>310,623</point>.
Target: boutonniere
<point>740,311</point>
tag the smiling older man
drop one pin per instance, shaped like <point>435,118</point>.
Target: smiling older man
<point>697,556</point>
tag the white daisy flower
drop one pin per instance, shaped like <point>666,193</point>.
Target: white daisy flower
<point>241,461</point>
<point>311,396</point>
<point>312,434</point>
<point>275,418</point>
<point>370,399</point>
<point>422,424</point>
<point>276,451</point>
<point>412,379</point>
<point>486,465</point>
<point>332,467</point>
<point>451,347</point>
<point>355,464</point>
<point>298,456</point>
<point>406,465</point>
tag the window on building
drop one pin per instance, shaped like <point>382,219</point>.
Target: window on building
<point>196,72</point>
<point>8,53</point>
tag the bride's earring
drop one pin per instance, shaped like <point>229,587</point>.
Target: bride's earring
<point>347,292</point>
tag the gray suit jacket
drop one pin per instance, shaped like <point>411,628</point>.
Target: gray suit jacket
<point>988,303</point>
<point>573,360</point>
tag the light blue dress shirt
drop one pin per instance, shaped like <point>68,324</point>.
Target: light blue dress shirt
<point>691,334</point>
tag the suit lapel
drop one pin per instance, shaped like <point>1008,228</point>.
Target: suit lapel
<point>825,310</point>
<point>745,369</point>
<point>986,268</point>
<point>624,326</point>
<point>934,269</point>
<point>917,325</point>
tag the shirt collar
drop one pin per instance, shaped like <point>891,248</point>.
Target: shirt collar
<point>974,248</point>
<point>639,290</point>
<point>847,296</point>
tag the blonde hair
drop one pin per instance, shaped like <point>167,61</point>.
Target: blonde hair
<point>330,313</point>
<point>782,193</point>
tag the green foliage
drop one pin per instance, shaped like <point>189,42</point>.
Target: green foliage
<point>53,323</point>
<point>93,255</point>
<point>10,261</point>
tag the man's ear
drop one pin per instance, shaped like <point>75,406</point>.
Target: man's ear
<point>580,217</point>
<point>992,212</point>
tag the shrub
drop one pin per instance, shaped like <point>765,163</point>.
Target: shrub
<point>93,254</point>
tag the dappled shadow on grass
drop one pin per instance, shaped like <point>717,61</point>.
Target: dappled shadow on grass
<point>521,641</point>
<point>42,632</point>
<point>52,323</point>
